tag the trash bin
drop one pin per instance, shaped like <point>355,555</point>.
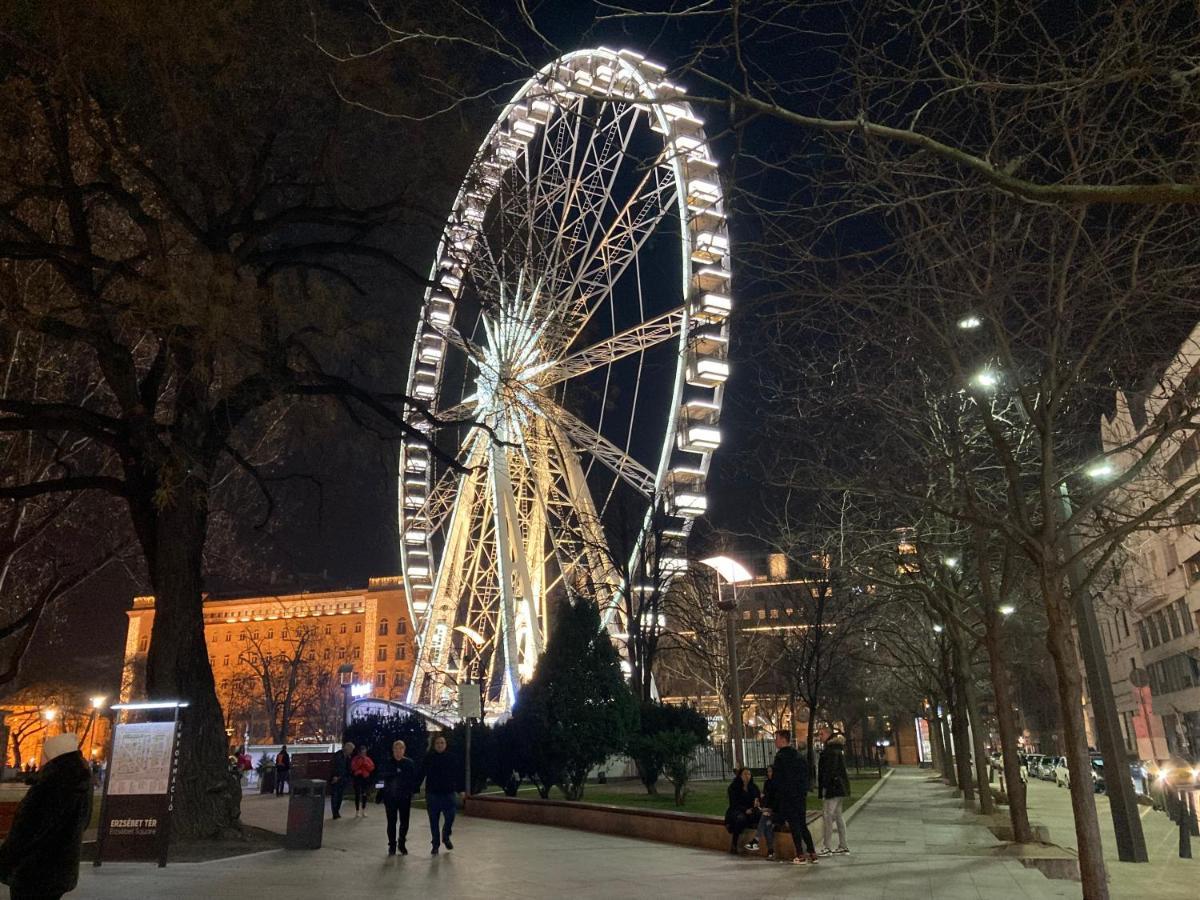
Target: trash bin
<point>306,814</point>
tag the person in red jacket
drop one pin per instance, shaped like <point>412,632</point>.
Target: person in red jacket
<point>361,767</point>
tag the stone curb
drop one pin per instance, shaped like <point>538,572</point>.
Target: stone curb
<point>866,798</point>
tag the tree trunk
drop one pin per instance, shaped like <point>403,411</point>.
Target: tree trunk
<point>962,749</point>
<point>1060,641</point>
<point>943,737</point>
<point>970,702</point>
<point>1018,810</point>
<point>208,797</point>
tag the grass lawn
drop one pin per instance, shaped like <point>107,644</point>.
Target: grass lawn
<point>703,797</point>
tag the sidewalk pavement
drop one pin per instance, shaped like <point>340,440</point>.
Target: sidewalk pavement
<point>911,841</point>
<point>1164,877</point>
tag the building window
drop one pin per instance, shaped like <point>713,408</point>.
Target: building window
<point>1125,622</point>
<point>329,629</point>
<point>283,634</point>
<point>228,636</point>
<point>212,661</point>
<point>1185,618</point>
<point>358,627</point>
<point>401,626</point>
<point>357,652</point>
<point>225,661</point>
<point>341,652</point>
<point>143,643</point>
<point>312,655</point>
<point>1173,618</point>
<point>746,615</point>
<point>270,634</point>
<point>383,627</point>
<point>774,614</point>
<point>381,679</point>
<point>382,654</point>
<point>401,651</point>
<point>762,615</point>
<point>255,635</point>
<point>328,653</point>
<point>398,679</point>
<point>343,628</point>
<point>1191,568</point>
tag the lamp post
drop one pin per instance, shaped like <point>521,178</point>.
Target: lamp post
<point>734,572</point>
<point>1127,823</point>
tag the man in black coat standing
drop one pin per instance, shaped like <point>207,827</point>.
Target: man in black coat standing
<point>791,793</point>
<point>400,780</point>
<point>442,777</point>
<point>40,857</point>
<point>341,775</point>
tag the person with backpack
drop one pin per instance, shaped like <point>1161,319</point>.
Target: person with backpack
<point>833,786</point>
<point>791,773</point>
<point>283,770</point>
<point>361,767</point>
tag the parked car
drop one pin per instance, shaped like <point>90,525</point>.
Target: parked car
<point>1033,762</point>
<point>1046,769</point>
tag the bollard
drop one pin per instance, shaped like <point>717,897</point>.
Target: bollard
<point>1185,831</point>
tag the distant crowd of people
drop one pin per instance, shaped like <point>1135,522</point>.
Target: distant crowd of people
<point>783,799</point>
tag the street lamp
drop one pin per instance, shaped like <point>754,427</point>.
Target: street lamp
<point>969,323</point>
<point>1007,609</point>
<point>938,629</point>
<point>986,379</point>
<point>735,573</point>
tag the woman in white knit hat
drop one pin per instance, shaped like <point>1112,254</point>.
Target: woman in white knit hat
<point>40,857</point>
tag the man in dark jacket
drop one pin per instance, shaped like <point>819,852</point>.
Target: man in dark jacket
<point>40,858</point>
<point>441,776</point>
<point>791,796</point>
<point>833,786</point>
<point>283,770</point>
<point>340,777</point>
<point>399,783</point>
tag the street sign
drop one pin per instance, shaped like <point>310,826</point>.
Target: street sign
<point>470,702</point>
<point>139,792</point>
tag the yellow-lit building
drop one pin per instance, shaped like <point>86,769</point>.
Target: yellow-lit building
<point>327,639</point>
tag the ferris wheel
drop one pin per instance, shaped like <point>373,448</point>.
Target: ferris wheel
<point>573,349</point>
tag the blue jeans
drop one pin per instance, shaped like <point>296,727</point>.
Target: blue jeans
<point>440,806</point>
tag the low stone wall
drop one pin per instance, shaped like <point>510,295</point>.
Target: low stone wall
<point>685,829</point>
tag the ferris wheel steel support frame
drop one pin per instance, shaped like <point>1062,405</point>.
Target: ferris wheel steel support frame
<point>582,262</point>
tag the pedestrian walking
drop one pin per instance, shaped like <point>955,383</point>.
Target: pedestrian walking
<point>791,792</point>
<point>399,783</point>
<point>743,811</point>
<point>833,787</point>
<point>340,775</point>
<point>361,768</point>
<point>40,858</point>
<point>766,829</point>
<point>441,778</point>
<point>283,770</point>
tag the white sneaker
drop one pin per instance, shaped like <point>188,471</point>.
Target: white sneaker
<point>825,851</point>
<point>752,846</point>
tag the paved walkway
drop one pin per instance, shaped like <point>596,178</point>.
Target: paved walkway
<point>1164,877</point>
<point>911,842</point>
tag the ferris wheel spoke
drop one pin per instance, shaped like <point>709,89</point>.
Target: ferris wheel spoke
<point>658,330</point>
<point>601,448</point>
<point>591,194</point>
<point>608,260</point>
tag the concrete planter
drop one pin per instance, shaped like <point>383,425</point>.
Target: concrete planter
<point>682,828</point>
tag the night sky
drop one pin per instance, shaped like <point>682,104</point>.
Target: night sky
<point>344,531</point>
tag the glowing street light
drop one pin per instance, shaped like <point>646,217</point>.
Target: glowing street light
<point>1101,471</point>
<point>1007,609</point>
<point>986,379</point>
<point>951,562</point>
<point>735,573</point>
<point>938,629</point>
<point>98,701</point>
<point>969,323</point>
<point>50,714</point>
